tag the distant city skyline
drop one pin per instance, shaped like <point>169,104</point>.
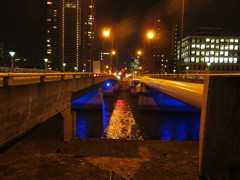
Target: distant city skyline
<point>23,23</point>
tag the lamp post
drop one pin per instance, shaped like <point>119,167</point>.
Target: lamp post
<point>208,67</point>
<point>187,68</point>
<point>181,37</point>
<point>75,69</point>
<point>63,66</point>
<point>46,62</point>
<point>148,36</point>
<point>107,33</point>
<point>12,53</point>
<point>84,67</point>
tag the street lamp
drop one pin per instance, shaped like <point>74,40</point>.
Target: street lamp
<point>84,67</point>
<point>148,36</point>
<point>46,62</point>
<point>75,69</point>
<point>139,52</point>
<point>187,68</point>
<point>106,32</point>
<point>63,66</point>
<point>12,53</point>
<point>208,68</point>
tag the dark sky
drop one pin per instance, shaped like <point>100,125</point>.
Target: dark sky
<point>22,26</point>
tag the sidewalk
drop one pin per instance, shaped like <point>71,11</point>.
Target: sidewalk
<point>94,159</point>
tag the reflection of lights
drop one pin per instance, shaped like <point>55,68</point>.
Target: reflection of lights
<point>122,124</point>
<point>108,84</point>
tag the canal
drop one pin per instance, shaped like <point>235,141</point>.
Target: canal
<point>120,118</point>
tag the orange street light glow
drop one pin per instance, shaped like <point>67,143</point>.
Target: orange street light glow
<point>113,52</point>
<point>150,34</point>
<point>139,53</point>
<point>106,32</point>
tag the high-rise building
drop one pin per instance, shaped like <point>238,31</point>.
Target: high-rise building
<point>70,34</point>
<point>159,51</point>
<point>1,54</point>
<point>208,51</point>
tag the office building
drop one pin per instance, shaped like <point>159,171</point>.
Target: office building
<point>160,50</point>
<point>211,52</point>
<point>70,34</point>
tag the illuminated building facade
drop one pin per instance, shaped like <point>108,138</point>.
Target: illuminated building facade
<point>210,54</point>
<point>70,34</point>
<point>105,58</point>
<point>158,51</point>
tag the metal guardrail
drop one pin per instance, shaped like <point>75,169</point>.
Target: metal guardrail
<point>24,70</point>
<point>195,78</point>
<point>14,79</point>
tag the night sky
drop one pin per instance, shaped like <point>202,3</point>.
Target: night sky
<point>22,25</point>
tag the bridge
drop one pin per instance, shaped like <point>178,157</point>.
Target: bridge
<point>28,99</point>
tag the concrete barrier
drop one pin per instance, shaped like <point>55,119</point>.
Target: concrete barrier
<point>220,128</point>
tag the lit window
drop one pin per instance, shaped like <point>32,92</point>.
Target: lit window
<point>207,53</point>
<point>234,60</point>
<point>236,40</point>
<point>197,60</point>
<point>212,52</point>
<point>212,46</point>
<point>231,47</point>
<point>192,59</point>
<point>203,46</point>
<point>49,20</point>
<point>49,2</point>
<point>202,59</point>
<point>193,52</point>
<point>208,40</point>
<point>207,59</point>
<point>236,48</point>
<point>49,45</point>
<point>221,53</point>
<point>211,59</point>
<point>216,60</point>
<point>212,40</point>
<point>222,40</point>
<point>231,40</point>
<point>197,53</point>
<point>226,47</point>
<point>217,53</point>
<point>222,47</point>
<point>49,52</point>
<point>225,60</point>
<point>230,60</point>
<point>202,53</point>
<point>193,45</point>
<point>217,40</point>
<point>226,53</point>
<point>54,27</point>
<point>48,40</point>
<point>221,60</point>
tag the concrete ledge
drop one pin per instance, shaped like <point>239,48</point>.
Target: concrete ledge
<point>220,124</point>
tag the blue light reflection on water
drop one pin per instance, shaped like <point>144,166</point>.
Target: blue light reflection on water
<point>81,126</point>
<point>165,125</point>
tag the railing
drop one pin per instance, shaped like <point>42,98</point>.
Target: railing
<point>13,79</point>
<point>196,78</point>
<point>24,70</point>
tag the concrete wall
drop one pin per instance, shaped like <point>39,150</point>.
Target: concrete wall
<point>220,128</point>
<point>25,106</point>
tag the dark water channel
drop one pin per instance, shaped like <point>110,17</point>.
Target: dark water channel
<point>121,119</point>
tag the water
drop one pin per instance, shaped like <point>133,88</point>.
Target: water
<point>121,119</point>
